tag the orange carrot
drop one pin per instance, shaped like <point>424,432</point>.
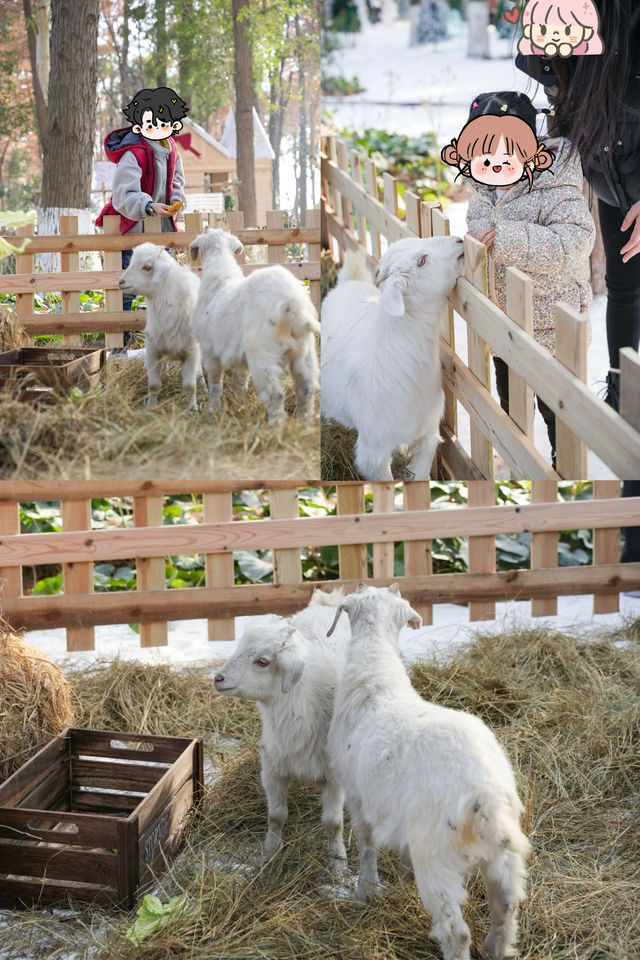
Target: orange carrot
<point>175,206</point>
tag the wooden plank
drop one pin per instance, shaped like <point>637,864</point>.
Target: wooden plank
<point>11,491</point>
<point>147,511</point>
<point>434,223</point>
<point>314,254</point>
<point>544,546</point>
<point>10,577</point>
<point>70,263</point>
<point>85,829</point>
<point>287,566</point>
<point>275,220</point>
<point>109,804</point>
<point>616,442</point>
<point>390,193</point>
<point>162,836</point>
<point>159,797</point>
<point>38,766</point>
<point>150,748</point>
<point>454,460</point>
<point>383,553</point>
<point>128,870</point>
<point>352,557</point>
<point>219,566</point>
<point>235,221</point>
<point>250,600</point>
<point>482,550</point>
<point>517,452</point>
<point>371,190</point>
<point>97,773</point>
<point>145,542</point>
<point>78,577</point>
<point>630,389</point>
<point>82,866</point>
<point>94,321</point>
<point>46,793</point>
<point>606,546</point>
<point>417,553</point>
<point>520,310</point>
<point>571,351</point>
<point>24,265</point>
<point>112,268</point>
<point>341,159</point>
<point>28,893</point>
<point>475,271</point>
<point>346,240</point>
<point>412,212</point>
<point>78,243</point>
<point>357,162</point>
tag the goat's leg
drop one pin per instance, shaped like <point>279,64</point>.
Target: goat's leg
<point>305,377</point>
<point>442,893</point>
<point>372,464</point>
<point>190,370</point>
<point>267,383</point>
<point>240,380</point>
<point>214,376</point>
<point>153,362</point>
<point>422,451</point>
<point>503,880</point>
<point>277,789</point>
<point>368,880</point>
<point>332,804</point>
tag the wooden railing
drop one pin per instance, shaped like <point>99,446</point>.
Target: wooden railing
<point>113,321</point>
<point>77,547</point>
<point>354,216</point>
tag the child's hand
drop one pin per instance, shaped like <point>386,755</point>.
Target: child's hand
<point>487,237</point>
<point>161,209</point>
<point>632,246</point>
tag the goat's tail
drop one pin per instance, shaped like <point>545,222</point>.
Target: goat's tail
<point>355,267</point>
<point>492,819</point>
<point>297,317</point>
<point>322,598</point>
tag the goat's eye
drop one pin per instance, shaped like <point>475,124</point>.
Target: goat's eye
<point>261,662</point>
<point>147,266</point>
<point>422,261</point>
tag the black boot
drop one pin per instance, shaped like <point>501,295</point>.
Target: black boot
<point>613,389</point>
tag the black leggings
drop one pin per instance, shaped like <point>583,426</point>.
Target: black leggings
<point>623,285</point>
<point>549,417</point>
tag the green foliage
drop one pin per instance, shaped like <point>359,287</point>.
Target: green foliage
<point>344,17</point>
<point>414,161</point>
<point>339,86</point>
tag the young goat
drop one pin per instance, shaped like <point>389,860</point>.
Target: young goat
<point>380,353</point>
<point>424,780</point>
<point>263,322</point>
<point>290,667</point>
<point>170,293</point>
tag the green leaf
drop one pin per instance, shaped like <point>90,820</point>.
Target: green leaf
<point>48,585</point>
<point>252,565</point>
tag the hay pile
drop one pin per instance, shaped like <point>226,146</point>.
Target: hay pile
<point>337,446</point>
<point>35,702</point>
<point>121,437</point>
<point>12,335</point>
<point>569,716</point>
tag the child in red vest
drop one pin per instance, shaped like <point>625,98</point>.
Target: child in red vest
<point>149,175</point>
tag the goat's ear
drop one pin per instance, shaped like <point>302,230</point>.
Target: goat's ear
<point>290,666</point>
<point>361,586</point>
<point>415,620</point>
<point>393,588</point>
<point>235,244</point>
<point>391,299</point>
<point>194,250</point>
<point>340,609</point>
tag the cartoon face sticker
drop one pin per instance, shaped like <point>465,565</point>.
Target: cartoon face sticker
<point>497,151</point>
<point>560,28</point>
<point>156,114</point>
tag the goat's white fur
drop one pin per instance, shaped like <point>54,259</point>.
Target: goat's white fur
<point>424,780</point>
<point>295,693</point>
<point>170,292</point>
<point>380,353</point>
<point>262,322</point>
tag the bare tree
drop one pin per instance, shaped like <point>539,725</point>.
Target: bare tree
<point>37,43</point>
<point>243,79</point>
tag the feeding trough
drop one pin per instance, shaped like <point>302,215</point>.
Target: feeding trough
<point>95,815</point>
<point>54,370</point>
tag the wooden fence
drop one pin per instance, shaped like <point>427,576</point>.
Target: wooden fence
<point>113,321</point>
<point>77,547</point>
<point>353,215</point>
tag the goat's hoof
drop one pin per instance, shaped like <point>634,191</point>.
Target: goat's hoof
<point>338,866</point>
<point>152,401</point>
<point>366,891</point>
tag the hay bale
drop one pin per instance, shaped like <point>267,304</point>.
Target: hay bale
<point>35,702</point>
<point>12,334</point>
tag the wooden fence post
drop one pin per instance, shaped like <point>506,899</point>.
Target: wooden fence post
<point>346,210</point>
<point>482,550</point>
<point>235,220</point>
<point>10,577</point>
<point>571,351</point>
<point>475,271</point>
<point>630,388</point>
<point>147,512</point>
<point>218,508</point>
<point>390,193</point>
<point>544,546</point>
<point>314,253</point>
<point>287,567</point>
<point>356,174</point>
<point>606,546</point>
<point>352,557</point>
<point>434,223</point>
<point>383,553</point>
<point>417,553</point>
<point>70,300</point>
<point>24,264</point>
<point>78,577</point>
<point>112,298</point>
<point>520,310</point>
<point>371,180</point>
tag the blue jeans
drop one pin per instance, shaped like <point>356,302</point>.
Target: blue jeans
<point>127,298</point>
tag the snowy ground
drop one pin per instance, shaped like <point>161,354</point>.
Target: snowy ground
<point>413,89</point>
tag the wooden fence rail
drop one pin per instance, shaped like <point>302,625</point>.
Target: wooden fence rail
<point>147,542</point>
<point>354,217</point>
<point>113,320</point>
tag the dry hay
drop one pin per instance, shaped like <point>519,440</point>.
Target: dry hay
<point>328,272</point>
<point>109,432</point>
<point>337,445</point>
<point>568,714</point>
<point>35,701</point>
<point>12,335</point>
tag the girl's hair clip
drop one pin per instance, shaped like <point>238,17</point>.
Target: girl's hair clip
<point>550,111</point>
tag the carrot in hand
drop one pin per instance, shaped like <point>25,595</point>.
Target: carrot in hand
<point>175,206</point>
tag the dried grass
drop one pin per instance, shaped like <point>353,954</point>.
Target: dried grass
<point>337,447</point>
<point>109,433</point>
<point>568,714</point>
<point>12,335</point>
<point>35,701</point>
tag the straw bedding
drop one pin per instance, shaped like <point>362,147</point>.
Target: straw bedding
<point>568,714</point>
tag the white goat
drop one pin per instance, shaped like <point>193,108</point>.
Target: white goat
<point>380,353</point>
<point>424,780</point>
<point>262,322</point>
<point>289,667</point>
<point>170,291</point>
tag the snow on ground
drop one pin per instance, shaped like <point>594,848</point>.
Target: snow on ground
<point>413,89</point>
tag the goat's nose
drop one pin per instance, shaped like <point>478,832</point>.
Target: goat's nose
<point>219,677</point>
<point>120,282</point>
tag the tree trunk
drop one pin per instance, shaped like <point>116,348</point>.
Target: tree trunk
<point>243,79</point>
<point>71,114</point>
<point>161,43</point>
<point>304,150</point>
<point>43,55</point>
<point>39,95</point>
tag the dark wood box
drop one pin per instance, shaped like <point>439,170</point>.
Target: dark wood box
<point>95,815</point>
<point>53,367</point>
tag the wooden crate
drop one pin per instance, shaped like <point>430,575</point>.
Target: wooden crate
<point>95,815</point>
<point>58,369</point>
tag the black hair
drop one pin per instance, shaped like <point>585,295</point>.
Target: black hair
<point>163,102</point>
<point>591,89</point>
<point>504,103</point>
